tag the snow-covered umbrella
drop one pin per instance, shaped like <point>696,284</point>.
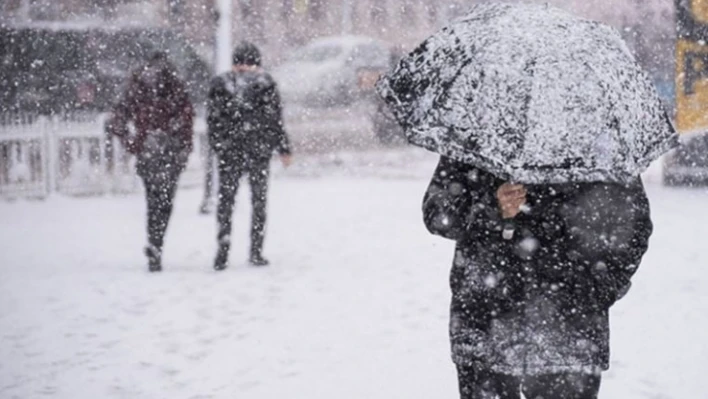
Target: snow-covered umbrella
<point>531,94</point>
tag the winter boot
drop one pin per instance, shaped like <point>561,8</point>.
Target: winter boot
<point>258,260</point>
<point>207,207</point>
<point>222,257</point>
<point>154,262</point>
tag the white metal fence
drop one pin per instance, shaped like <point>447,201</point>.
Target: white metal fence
<point>72,155</point>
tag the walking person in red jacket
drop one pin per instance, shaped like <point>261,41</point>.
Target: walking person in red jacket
<point>157,104</point>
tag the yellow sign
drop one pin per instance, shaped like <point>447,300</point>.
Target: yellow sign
<point>699,9</point>
<point>691,86</point>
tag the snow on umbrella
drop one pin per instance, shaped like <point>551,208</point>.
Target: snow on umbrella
<point>531,94</point>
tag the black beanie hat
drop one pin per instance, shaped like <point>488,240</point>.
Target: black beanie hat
<point>246,53</point>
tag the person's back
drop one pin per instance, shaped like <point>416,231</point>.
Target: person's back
<point>155,100</point>
<point>245,129</point>
<point>158,106</point>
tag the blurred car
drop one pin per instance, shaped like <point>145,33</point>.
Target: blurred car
<point>333,71</point>
<point>56,69</point>
<point>688,164</point>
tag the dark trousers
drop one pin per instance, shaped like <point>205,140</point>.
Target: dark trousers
<point>209,175</point>
<point>476,384</point>
<point>231,170</point>
<point>160,195</point>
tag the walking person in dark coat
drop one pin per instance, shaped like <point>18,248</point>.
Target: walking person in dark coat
<point>157,104</point>
<point>529,310</point>
<point>245,129</point>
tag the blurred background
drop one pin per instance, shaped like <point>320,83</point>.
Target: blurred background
<point>356,302</point>
<point>280,26</point>
<point>63,64</point>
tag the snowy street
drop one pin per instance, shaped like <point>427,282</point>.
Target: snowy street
<point>355,305</point>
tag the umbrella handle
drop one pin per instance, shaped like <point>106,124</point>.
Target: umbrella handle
<point>508,229</point>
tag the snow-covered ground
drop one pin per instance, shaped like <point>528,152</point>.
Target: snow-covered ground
<point>354,305</point>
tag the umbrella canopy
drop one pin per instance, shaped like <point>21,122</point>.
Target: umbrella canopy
<point>531,94</point>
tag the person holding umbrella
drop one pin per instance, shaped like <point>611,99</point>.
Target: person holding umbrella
<point>544,123</point>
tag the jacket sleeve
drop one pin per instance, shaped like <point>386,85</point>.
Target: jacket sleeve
<point>187,124</point>
<point>460,202</point>
<point>217,120</point>
<point>609,233</point>
<point>274,115</point>
<point>123,113</point>
<point>183,117</point>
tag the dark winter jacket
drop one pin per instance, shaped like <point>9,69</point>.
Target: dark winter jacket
<point>155,100</point>
<point>538,303</point>
<point>245,116</point>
